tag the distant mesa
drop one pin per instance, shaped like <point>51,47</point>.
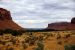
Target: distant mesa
<point>62,25</point>
<point>6,21</point>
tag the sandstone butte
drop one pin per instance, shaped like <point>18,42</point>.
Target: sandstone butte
<point>6,21</point>
<point>62,25</point>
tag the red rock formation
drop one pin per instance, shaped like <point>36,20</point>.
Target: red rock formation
<point>4,14</point>
<point>62,25</point>
<point>6,21</point>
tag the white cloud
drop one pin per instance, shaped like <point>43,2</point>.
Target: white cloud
<point>32,23</point>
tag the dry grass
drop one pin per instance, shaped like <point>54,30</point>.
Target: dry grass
<point>55,40</point>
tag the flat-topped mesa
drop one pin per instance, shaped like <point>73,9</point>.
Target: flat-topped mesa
<point>62,25</point>
<point>5,14</point>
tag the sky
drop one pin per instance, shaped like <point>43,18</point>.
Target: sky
<point>39,13</point>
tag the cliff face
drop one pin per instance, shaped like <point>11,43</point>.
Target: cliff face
<point>62,25</point>
<point>4,14</point>
<point>6,21</point>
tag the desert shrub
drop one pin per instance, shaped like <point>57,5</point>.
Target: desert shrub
<point>1,42</point>
<point>1,33</point>
<point>51,34</point>
<point>10,31</point>
<point>67,35</point>
<point>24,46</point>
<point>13,41</point>
<point>9,49</point>
<point>70,47</point>
<point>60,43</point>
<point>58,36</point>
<point>31,40</point>
<point>21,31</point>
<point>46,35</point>
<point>67,48</point>
<point>16,33</point>
<point>7,31</point>
<point>40,38</point>
<point>30,33</point>
<point>40,46</point>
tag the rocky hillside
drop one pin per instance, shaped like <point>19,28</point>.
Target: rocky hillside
<point>6,21</point>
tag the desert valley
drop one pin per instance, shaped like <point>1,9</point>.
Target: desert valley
<point>59,36</point>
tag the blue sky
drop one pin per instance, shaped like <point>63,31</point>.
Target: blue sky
<point>39,13</point>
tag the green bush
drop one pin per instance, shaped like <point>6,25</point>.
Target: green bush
<point>70,47</point>
<point>40,46</point>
